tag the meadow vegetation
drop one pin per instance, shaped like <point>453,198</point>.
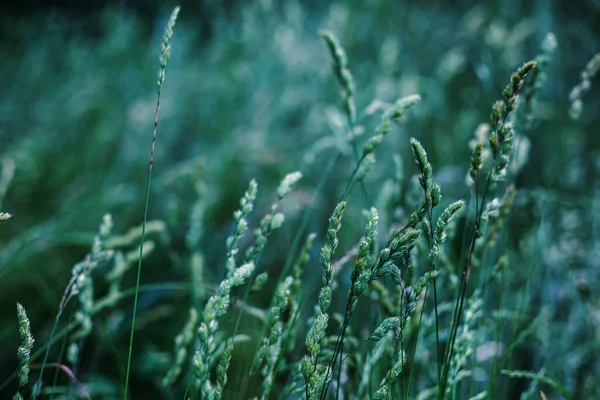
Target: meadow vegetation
<point>371,202</point>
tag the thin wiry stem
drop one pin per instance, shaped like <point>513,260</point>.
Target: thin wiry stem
<point>435,307</point>
<point>139,268</point>
<point>62,351</point>
<point>414,352</point>
<point>72,377</point>
<point>68,293</point>
<point>463,288</point>
<point>165,54</point>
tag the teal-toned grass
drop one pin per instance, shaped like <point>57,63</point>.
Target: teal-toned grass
<point>500,145</point>
<point>426,332</point>
<point>164,58</point>
<point>24,351</point>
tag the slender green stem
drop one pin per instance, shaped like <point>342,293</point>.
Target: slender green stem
<point>497,336</point>
<point>463,284</point>
<point>414,352</point>
<point>63,303</point>
<point>336,351</point>
<point>38,384</point>
<point>339,377</point>
<point>143,236</point>
<point>165,54</point>
<point>435,304</point>
<point>62,351</point>
<point>437,331</point>
<point>401,340</point>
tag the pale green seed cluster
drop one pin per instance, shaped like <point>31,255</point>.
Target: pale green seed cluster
<point>165,51</point>
<point>591,69</point>
<point>492,218</point>
<point>259,282</point>
<point>83,287</point>
<point>432,197</point>
<point>388,324</point>
<point>411,295</point>
<point>502,138</point>
<point>364,248</point>
<point>215,308</point>
<point>24,350</point>
<point>288,183</point>
<point>398,324</point>
<point>439,235</point>
<point>133,236</point>
<point>297,272</point>
<point>539,75</point>
<point>219,303</point>
<point>195,233</point>
<point>476,161</point>
<point>271,221</point>
<point>399,246</point>
<point>326,256</point>
<point>80,285</point>
<point>394,112</point>
<point>182,342</point>
<point>365,159</point>
<point>272,344</point>
<point>274,323</point>
<point>123,260</point>
<point>425,173</point>
<point>222,371</point>
<point>390,376</point>
<point>241,224</point>
<point>464,343</point>
<point>314,379</point>
<point>343,74</point>
<point>290,297</point>
<point>268,224</point>
<point>8,171</point>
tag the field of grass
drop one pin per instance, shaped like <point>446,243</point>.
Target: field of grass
<point>339,200</point>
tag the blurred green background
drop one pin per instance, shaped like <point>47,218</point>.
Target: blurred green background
<point>249,93</point>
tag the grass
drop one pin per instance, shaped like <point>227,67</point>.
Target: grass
<point>441,271</point>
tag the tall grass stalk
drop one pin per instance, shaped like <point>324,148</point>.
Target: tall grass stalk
<point>501,146</point>
<point>164,58</point>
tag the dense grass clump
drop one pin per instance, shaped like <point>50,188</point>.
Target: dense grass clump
<point>439,241</point>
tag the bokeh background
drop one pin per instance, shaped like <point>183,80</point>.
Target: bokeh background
<point>249,93</point>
